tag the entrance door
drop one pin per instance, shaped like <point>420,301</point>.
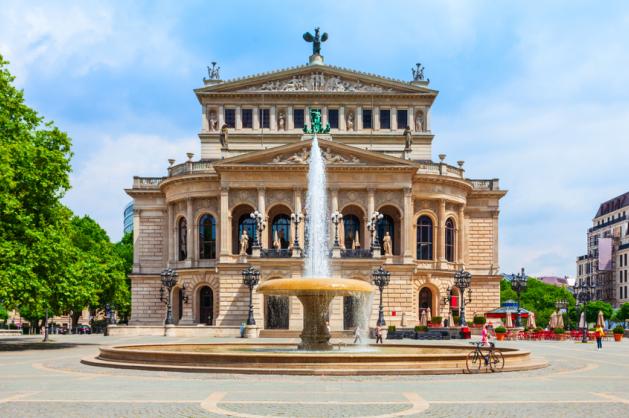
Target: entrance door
<point>425,300</point>
<point>276,312</point>
<point>206,306</point>
<point>350,304</point>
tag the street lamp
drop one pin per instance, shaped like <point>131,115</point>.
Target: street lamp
<point>372,226</point>
<point>336,218</point>
<point>296,219</point>
<point>258,217</point>
<point>583,293</point>
<point>518,284</point>
<point>462,280</point>
<point>169,280</point>
<point>250,278</point>
<point>381,279</point>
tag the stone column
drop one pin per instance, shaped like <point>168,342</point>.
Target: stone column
<point>334,206</point>
<point>297,199</point>
<point>342,125</point>
<point>306,116</point>
<point>290,121</point>
<point>255,120</point>
<point>238,117</point>
<point>426,119</point>
<point>358,119</point>
<point>393,118</point>
<point>263,237</point>
<point>441,244</point>
<point>410,118</point>
<point>324,115</point>
<point>371,205</point>
<point>375,118</point>
<point>460,236</point>
<point>190,232</point>
<point>205,124</point>
<point>408,225</point>
<point>136,240</point>
<point>171,234</point>
<point>221,117</point>
<point>273,118</point>
<point>225,227</point>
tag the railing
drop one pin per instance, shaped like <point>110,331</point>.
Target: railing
<point>610,222</point>
<point>583,257</point>
<point>190,167</point>
<point>356,253</point>
<point>274,253</point>
<point>489,185</point>
<point>147,182</point>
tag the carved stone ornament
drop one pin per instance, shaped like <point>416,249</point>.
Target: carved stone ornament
<point>318,82</point>
<point>303,157</point>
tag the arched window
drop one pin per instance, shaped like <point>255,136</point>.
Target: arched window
<point>386,224</point>
<point>450,240</point>
<point>351,226</point>
<point>248,223</point>
<point>280,230</point>
<point>424,238</point>
<point>425,299</point>
<point>207,237</point>
<point>183,239</point>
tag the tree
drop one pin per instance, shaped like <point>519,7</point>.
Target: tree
<point>623,312</point>
<point>592,309</point>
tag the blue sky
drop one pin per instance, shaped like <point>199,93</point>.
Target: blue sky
<point>534,93</point>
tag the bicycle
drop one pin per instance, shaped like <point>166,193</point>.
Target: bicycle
<point>494,360</point>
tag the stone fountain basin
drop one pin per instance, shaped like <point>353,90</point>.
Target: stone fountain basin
<point>279,358</point>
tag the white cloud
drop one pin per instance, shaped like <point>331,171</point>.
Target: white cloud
<point>98,182</point>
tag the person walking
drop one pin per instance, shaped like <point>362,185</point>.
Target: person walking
<point>378,334</point>
<point>485,336</point>
<point>357,338</point>
<point>599,333</point>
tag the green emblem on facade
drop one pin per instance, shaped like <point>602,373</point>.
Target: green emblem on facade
<point>316,126</point>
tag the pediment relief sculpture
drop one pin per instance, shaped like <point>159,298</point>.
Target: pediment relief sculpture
<point>318,82</point>
<point>303,157</point>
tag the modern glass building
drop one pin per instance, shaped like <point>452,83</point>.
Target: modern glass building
<point>128,218</point>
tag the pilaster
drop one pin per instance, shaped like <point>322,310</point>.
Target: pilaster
<point>225,230</point>
<point>441,244</point>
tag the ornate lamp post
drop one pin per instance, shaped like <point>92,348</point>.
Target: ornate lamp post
<point>381,279</point>
<point>462,280</point>
<point>336,218</point>
<point>250,278</point>
<point>583,293</point>
<point>296,219</point>
<point>259,218</point>
<point>372,226</point>
<point>169,280</point>
<point>518,284</point>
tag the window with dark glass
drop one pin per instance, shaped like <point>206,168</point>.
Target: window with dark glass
<point>280,230</point>
<point>402,118</point>
<point>230,118</point>
<point>247,118</point>
<point>351,237</point>
<point>385,225</point>
<point>367,121</point>
<point>450,240</point>
<point>333,118</point>
<point>207,237</point>
<point>298,118</point>
<point>265,118</point>
<point>385,119</point>
<point>246,222</point>
<point>183,239</point>
<point>424,238</point>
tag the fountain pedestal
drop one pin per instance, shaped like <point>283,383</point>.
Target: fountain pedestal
<point>315,335</point>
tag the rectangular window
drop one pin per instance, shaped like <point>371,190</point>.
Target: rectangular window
<point>333,118</point>
<point>230,118</point>
<point>385,119</point>
<point>247,118</point>
<point>625,259</point>
<point>402,118</point>
<point>298,118</point>
<point>265,118</point>
<point>367,122</point>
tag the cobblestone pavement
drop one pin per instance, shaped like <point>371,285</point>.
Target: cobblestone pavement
<point>40,380</point>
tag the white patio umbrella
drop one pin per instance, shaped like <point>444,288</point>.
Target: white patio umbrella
<point>600,320</point>
<point>428,315</point>
<point>356,243</point>
<point>531,321</point>
<point>450,319</point>
<point>508,320</point>
<point>552,323</point>
<point>582,322</point>
<point>422,318</point>
<point>559,323</point>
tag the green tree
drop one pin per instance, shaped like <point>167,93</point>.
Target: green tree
<point>623,312</point>
<point>592,309</point>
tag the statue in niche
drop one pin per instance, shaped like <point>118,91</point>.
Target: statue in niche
<point>223,136</point>
<point>408,138</point>
<point>277,243</point>
<point>213,122</point>
<point>281,122</point>
<point>350,121</point>
<point>387,244</point>
<point>244,242</point>
<point>419,122</point>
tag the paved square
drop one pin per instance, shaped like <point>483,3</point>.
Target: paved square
<point>48,381</point>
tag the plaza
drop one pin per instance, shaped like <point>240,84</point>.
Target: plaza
<point>47,380</point>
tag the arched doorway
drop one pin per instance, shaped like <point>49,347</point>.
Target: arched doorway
<point>390,223</point>
<point>352,236</point>
<point>207,237</point>
<point>206,305</point>
<point>425,300</point>
<point>177,304</point>
<point>241,221</point>
<point>350,304</point>
<point>424,238</point>
<point>280,231</point>
<point>276,312</point>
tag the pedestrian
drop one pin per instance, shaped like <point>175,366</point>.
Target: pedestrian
<point>357,337</point>
<point>485,336</point>
<point>599,333</point>
<point>378,334</point>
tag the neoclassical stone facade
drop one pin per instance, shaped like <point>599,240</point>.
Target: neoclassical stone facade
<point>254,156</point>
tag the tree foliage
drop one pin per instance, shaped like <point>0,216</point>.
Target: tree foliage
<point>592,309</point>
<point>623,312</point>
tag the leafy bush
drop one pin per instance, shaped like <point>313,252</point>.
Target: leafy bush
<point>455,319</point>
<point>500,330</point>
<point>559,331</point>
<point>392,328</point>
<point>436,320</point>
<point>479,320</point>
<point>421,328</point>
<point>538,329</point>
<point>618,330</point>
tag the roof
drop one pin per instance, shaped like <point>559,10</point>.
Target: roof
<point>611,205</point>
<point>554,280</point>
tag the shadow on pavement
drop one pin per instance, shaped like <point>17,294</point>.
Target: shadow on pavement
<point>20,344</point>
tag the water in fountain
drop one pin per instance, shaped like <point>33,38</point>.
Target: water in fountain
<point>317,264</point>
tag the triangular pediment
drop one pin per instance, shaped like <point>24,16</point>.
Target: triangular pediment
<point>298,154</point>
<point>316,78</point>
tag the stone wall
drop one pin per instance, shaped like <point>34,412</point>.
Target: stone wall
<point>151,242</point>
<point>481,238</point>
<point>146,307</point>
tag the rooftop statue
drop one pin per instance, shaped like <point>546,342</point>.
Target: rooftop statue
<point>316,41</point>
<point>316,126</point>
